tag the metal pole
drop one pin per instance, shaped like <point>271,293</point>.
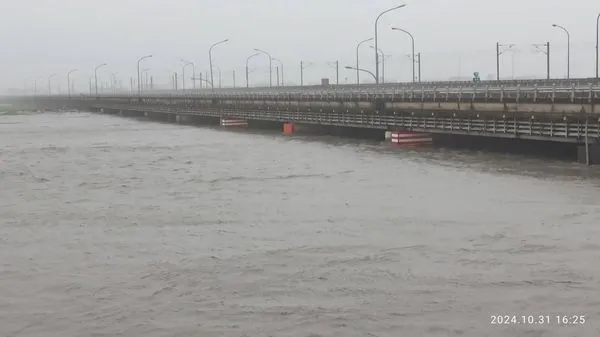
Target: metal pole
<point>382,64</point>
<point>337,72</point>
<point>139,76</point>
<point>210,60</point>
<point>194,77</point>
<point>96,76</point>
<point>357,65</point>
<point>412,38</point>
<point>498,61</point>
<point>376,42</point>
<point>568,49</point>
<point>597,42</point>
<point>366,71</point>
<point>277,72</point>
<point>587,144</point>
<point>419,58</point>
<point>234,78</point>
<point>301,74</point>
<point>270,65</point>
<point>281,67</point>
<point>69,80</point>
<point>50,84</point>
<point>548,60</point>
<point>247,69</point>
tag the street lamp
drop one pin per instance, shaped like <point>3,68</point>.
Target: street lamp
<point>597,41</point>
<point>50,84</point>
<point>114,81</point>
<point>357,65</point>
<point>412,38</point>
<point>376,42</point>
<point>139,76</point>
<point>145,77</point>
<point>96,76</point>
<point>210,60</point>
<point>281,64</point>
<point>69,81</point>
<point>270,65</point>
<point>185,64</point>
<point>366,71</point>
<point>382,64</point>
<point>568,49</point>
<point>247,70</point>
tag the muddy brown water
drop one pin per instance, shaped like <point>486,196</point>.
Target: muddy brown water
<point>120,227</point>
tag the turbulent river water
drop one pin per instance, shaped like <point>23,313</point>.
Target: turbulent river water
<point>120,227</point>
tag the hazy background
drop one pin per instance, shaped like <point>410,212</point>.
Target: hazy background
<point>41,37</point>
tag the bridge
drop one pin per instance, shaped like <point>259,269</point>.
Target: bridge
<point>558,111</point>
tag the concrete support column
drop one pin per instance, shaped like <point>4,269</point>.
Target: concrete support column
<point>594,154</point>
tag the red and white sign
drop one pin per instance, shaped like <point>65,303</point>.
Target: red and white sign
<point>233,122</point>
<point>411,138</point>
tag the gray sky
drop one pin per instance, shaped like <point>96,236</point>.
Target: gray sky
<point>40,37</point>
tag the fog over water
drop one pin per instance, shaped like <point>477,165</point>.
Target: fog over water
<point>121,227</point>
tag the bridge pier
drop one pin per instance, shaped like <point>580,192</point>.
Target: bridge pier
<point>590,158</point>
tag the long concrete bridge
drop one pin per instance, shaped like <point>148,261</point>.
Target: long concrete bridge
<point>548,111</point>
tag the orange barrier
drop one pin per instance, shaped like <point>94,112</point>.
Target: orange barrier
<point>289,128</point>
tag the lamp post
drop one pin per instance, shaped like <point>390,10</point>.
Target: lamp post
<point>270,65</point>
<point>568,49</point>
<point>357,65</point>
<point>114,81</point>
<point>50,84</point>
<point>145,78</point>
<point>376,42</point>
<point>281,64</point>
<point>382,64</point>
<point>139,76</point>
<point>210,60</point>
<point>336,66</point>
<point>597,43</point>
<point>366,71</point>
<point>247,70</point>
<point>96,76</point>
<point>69,80</point>
<point>185,64</point>
<point>412,38</point>
<point>219,70</point>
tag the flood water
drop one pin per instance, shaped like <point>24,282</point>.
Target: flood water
<point>120,227</point>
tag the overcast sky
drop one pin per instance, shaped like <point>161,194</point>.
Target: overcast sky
<point>41,37</point>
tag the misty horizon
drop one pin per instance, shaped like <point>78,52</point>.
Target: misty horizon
<point>41,39</point>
